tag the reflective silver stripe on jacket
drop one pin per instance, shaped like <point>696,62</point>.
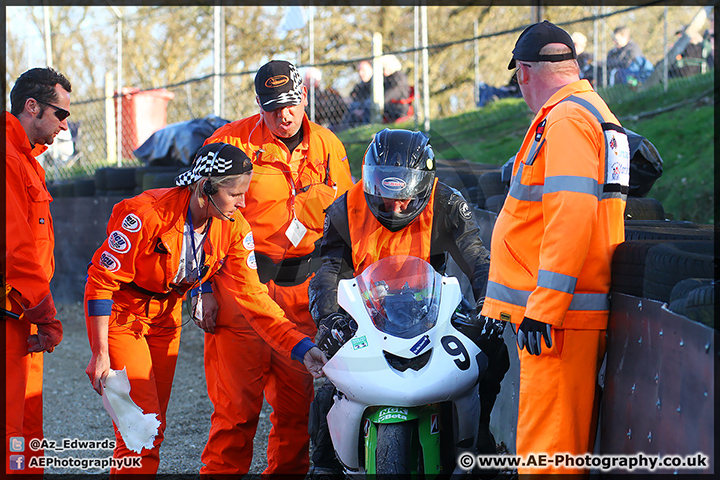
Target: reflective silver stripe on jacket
<point>556,281</point>
<point>581,301</point>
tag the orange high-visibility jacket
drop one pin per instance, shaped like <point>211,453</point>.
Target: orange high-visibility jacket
<point>371,241</point>
<point>144,243</point>
<point>29,238</point>
<point>553,241</point>
<point>303,184</point>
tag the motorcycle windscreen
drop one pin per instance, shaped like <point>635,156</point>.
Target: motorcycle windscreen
<point>401,294</point>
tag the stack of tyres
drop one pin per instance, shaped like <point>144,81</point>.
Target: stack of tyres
<point>660,259</point>
<point>159,177</point>
<point>115,181</point>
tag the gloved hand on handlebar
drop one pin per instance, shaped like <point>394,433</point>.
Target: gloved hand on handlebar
<point>50,331</point>
<point>487,333</point>
<point>529,334</point>
<point>334,331</point>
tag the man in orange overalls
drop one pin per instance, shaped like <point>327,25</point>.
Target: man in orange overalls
<point>552,246</point>
<point>300,168</point>
<point>40,101</point>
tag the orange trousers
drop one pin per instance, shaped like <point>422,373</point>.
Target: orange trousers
<point>149,353</point>
<point>23,395</point>
<point>239,367</point>
<point>559,398</point>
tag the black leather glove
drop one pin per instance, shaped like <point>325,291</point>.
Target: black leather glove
<point>334,331</point>
<point>529,334</point>
<point>487,333</point>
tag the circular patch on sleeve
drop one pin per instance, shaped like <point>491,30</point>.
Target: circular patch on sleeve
<point>249,242</point>
<point>251,262</point>
<point>132,223</point>
<point>118,242</point>
<point>465,210</point>
<point>109,261</point>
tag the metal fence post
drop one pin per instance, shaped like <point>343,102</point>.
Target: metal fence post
<point>110,137</point>
<point>378,93</point>
<point>426,70</point>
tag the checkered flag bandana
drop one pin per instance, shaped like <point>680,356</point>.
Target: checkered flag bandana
<point>216,160</point>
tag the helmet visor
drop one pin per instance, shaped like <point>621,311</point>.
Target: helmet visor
<point>398,183</point>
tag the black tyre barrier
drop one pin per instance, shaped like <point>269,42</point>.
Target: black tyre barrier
<point>462,175</point>
<point>668,263</point>
<point>628,266</point>
<point>140,172</point>
<point>84,187</point>
<point>667,230</point>
<point>495,203</point>
<point>698,305</point>
<point>101,179</point>
<point>164,180</point>
<point>53,189</point>
<point>66,189</point>
<point>481,199</point>
<point>638,208</point>
<point>122,178</point>
<point>148,181</point>
<point>491,184</point>
<point>683,287</point>
<point>126,193</point>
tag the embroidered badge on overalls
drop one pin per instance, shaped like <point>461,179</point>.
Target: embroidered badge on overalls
<point>540,130</point>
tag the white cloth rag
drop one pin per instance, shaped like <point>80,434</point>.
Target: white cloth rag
<point>138,429</point>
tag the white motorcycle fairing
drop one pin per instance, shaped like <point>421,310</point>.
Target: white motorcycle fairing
<point>361,371</point>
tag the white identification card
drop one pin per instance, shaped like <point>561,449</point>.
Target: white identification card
<point>296,231</point>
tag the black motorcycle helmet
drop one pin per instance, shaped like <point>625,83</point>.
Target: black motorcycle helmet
<point>400,165</point>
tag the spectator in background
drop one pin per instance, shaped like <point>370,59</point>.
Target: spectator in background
<point>360,98</point>
<point>584,59</point>
<point>488,93</point>
<point>330,108</point>
<point>396,87</point>
<point>696,58</point>
<point>363,89</point>
<point>626,63</point>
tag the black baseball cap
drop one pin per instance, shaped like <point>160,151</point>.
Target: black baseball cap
<point>535,37</point>
<point>278,84</point>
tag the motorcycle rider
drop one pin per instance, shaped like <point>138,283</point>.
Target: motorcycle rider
<point>399,208</point>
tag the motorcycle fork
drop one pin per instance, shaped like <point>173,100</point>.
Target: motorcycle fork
<point>426,436</point>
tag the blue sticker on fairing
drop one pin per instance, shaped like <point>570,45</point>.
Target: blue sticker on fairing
<point>420,345</point>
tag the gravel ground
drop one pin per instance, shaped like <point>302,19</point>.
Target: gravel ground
<point>73,409</point>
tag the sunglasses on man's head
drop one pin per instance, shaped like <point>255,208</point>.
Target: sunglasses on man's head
<point>60,113</point>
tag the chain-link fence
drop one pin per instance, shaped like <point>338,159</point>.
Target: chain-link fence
<point>462,75</point>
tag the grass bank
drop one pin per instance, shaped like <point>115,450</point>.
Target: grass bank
<point>679,122</point>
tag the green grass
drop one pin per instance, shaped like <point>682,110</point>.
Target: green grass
<point>679,122</point>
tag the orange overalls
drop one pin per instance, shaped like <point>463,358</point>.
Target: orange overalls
<point>130,279</point>
<point>551,254</point>
<point>285,186</point>
<point>29,267</point>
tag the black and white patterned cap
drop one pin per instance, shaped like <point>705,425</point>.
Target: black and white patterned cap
<point>278,84</point>
<point>216,160</point>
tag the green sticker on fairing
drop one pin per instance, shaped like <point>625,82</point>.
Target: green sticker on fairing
<point>394,413</point>
<point>358,343</point>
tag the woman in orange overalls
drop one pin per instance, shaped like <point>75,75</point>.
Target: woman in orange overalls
<point>161,244</point>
